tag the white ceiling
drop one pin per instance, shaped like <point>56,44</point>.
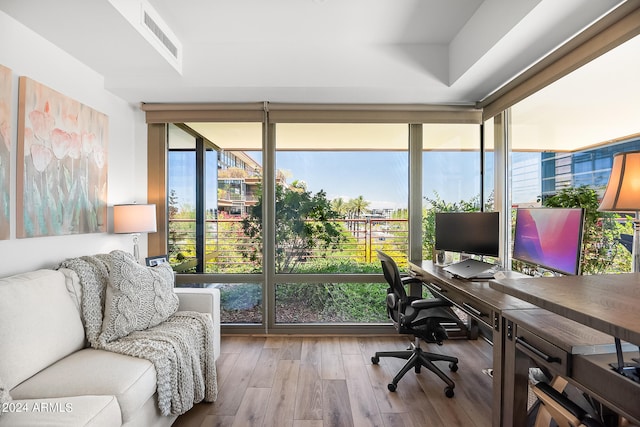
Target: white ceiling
<point>339,51</point>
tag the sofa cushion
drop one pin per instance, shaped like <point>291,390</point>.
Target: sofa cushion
<point>95,372</point>
<point>137,297</point>
<point>39,324</point>
<point>86,411</point>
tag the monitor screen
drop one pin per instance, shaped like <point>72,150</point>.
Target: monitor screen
<point>550,238</point>
<point>475,233</point>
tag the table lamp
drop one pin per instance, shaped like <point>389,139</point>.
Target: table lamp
<point>134,219</point>
<point>623,195</point>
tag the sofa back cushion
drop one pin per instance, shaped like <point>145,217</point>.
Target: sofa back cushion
<point>39,324</point>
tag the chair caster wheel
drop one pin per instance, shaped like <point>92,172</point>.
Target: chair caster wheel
<point>453,367</point>
<point>392,387</point>
<point>448,391</point>
<point>375,360</point>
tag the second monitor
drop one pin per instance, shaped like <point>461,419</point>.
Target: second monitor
<point>475,233</point>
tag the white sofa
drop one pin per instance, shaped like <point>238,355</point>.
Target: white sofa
<point>54,379</point>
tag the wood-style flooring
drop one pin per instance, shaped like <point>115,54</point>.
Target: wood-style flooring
<point>294,381</point>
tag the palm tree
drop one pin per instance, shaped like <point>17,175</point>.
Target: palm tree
<point>360,206</point>
<point>340,206</point>
<point>355,208</point>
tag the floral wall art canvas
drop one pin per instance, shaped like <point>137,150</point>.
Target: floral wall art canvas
<point>62,164</point>
<point>5,150</point>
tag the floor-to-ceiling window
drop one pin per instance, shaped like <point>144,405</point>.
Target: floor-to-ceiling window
<point>451,178</point>
<point>563,138</point>
<point>213,183</point>
<point>342,196</point>
<point>286,217</point>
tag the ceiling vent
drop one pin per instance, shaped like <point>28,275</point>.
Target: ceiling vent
<point>146,21</point>
<point>160,35</point>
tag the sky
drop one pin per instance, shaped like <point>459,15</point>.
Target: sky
<point>380,177</point>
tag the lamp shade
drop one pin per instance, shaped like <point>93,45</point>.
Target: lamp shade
<point>623,189</point>
<point>134,218</point>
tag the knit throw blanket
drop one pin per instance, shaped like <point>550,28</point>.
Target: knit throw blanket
<point>180,348</point>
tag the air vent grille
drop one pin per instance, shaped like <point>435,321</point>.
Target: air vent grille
<point>164,39</point>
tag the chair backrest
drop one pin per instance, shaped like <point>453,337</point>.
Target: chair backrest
<point>396,295</point>
<point>392,274</point>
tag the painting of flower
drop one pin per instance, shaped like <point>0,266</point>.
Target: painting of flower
<point>5,150</point>
<point>62,164</point>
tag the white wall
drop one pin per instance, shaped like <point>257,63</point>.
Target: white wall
<point>28,54</point>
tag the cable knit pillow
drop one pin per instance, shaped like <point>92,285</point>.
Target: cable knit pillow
<point>137,297</point>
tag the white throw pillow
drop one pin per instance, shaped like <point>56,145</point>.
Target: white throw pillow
<point>137,297</point>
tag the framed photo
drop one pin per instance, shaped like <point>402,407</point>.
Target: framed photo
<point>154,261</point>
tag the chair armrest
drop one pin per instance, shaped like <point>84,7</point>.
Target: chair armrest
<point>421,304</point>
<point>203,300</point>
<point>409,279</point>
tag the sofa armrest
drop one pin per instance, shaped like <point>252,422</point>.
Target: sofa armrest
<point>203,300</point>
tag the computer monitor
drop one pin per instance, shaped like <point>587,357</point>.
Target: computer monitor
<point>550,238</point>
<point>476,233</point>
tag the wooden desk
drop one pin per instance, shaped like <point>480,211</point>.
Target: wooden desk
<point>606,303</point>
<point>482,303</point>
<point>609,303</point>
<point>507,309</point>
<point>538,337</point>
<point>484,306</point>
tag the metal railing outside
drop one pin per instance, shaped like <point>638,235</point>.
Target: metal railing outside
<point>226,244</point>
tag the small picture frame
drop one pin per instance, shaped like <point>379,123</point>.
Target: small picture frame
<point>154,261</point>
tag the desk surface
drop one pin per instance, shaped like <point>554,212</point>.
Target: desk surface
<point>472,288</point>
<point>609,303</point>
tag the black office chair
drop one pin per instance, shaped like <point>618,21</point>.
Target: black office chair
<point>418,317</point>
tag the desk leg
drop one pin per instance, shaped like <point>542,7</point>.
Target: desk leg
<point>498,366</point>
<point>515,384</point>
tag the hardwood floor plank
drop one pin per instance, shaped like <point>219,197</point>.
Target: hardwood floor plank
<point>231,392</point>
<point>217,421</point>
<point>275,342</point>
<point>336,404</point>
<point>282,401</point>
<point>309,399</point>
<point>387,401</point>
<point>331,345</point>
<point>349,345</point>
<point>292,349</point>
<point>194,417</point>
<point>364,407</point>
<point>252,408</point>
<point>332,367</point>
<point>236,344</point>
<point>311,352</point>
<point>307,423</point>
<point>265,368</point>
<point>224,366</point>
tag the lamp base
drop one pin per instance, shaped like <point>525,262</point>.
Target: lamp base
<point>136,249</point>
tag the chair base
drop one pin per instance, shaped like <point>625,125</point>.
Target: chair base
<point>417,358</point>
